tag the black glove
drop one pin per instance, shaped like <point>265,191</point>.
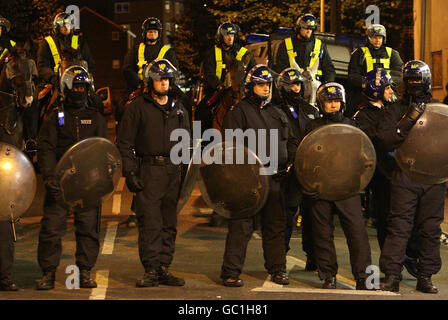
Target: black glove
<point>415,111</point>
<point>134,183</point>
<point>313,195</point>
<point>53,188</point>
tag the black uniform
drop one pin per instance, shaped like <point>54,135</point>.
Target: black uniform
<point>299,114</point>
<point>352,222</point>
<point>357,69</point>
<point>412,205</point>
<point>45,60</point>
<point>248,114</point>
<point>146,126</point>
<point>304,48</point>
<point>53,141</point>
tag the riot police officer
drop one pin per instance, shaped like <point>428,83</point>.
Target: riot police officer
<point>412,203</point>
<point>290,84</point>
<point>256,112</point>
<point>63,128</point>
<point>145,128</point>
<point>304,50</point>
<point>372,56</point>
<point>52,46</point>
<point>331,101</point>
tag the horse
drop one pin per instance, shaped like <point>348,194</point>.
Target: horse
<point>17,94</point>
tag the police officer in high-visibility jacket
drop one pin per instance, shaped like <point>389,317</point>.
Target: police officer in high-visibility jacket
<point>145,52</point>
<point>6,44</point>
<point>52,46</point>
<point>372,56</point>
<point>304,50</point>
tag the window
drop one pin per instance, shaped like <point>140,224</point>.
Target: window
<point>115,35</point>
<point>437,71</point>
<point>122,7</point>
<point>177,8</point>
<point>167,6</point>
<point>116,64</point>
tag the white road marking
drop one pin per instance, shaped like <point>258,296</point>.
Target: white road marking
<point>102,279</point>
<point>120,184</point>
<point>256,236</point>
<point>109,238</point>
<point>283,289</point>
<point>116,203</point>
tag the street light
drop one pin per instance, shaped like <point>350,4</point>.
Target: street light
<point>322,16</point>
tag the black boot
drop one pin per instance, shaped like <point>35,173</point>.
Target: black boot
<point>167,278</point>
<point>280,278</point>
<point>329,283</point>
<point>150,279</point>
<point>310,264</point>
<point>411,265</point>
<point>391,283</point>
<point>47,281</point>
<point>8,285</point>
<point>233,282</point>
<point>361,284</point>
<point>424,284</point>
<point>85,281</point>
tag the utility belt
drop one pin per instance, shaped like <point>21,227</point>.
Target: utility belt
<point>157,160</point>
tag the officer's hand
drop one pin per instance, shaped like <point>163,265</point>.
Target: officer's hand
<point>313,195</point>
<point>53,188</point>
<point>415,111</point>
<point>134,183</point>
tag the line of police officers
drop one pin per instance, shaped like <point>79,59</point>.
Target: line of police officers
<point>143,140</point>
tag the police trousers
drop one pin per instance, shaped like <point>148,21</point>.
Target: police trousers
<point>6,251</point>
<point>413,205</point>
<point>353,224</point>
<point>156,214</point>
<point>53,227</point>
<point>273,224</point>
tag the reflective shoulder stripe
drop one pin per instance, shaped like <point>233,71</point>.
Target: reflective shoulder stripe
<point>368,58</point>
<point>241,54</point>
<point>316,52</point>
<point>219,64</point>
<point>75,42</point>
<point>141,60</point>
<point>54,52</point>
<point>13,44</point>
<point>163,51</point>
<point>290,50</point>
<point>389,52</point>
<point>4,53</point>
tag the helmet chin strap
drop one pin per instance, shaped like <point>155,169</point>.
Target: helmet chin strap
<point>159,94</point>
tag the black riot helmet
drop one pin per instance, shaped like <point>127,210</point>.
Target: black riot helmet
<point>328,92</point>
<point>288,77</point>
<point>157,70</point>
<point>59,20</point>
<point>416,78</point>
<point>306,21</point>
<point>225,29</point>
<point>5,25</point>
<point>72,77</point>
<point>374,84</point>
<point>257,75</point>
<point>376,30</point>
<point>151,23</point>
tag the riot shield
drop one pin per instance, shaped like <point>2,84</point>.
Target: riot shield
<point>88,173</point>
<point>423,156</point>
<point>336,160</point>
<point>17,182</point>
<point>233,190</point>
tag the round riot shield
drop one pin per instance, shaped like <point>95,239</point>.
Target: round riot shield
<point>337,161</point>
<point>88,173</point>
<point>17,182</point>
<point>230,181</point>
<point>423,156</point>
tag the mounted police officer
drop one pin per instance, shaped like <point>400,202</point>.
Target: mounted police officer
<point>52,46</point>
<point>146,127</point>
<point>290,84</point>
<point>331,101</point>
<point>75,121</point>
<point>303,50</point>
<point>413,204</point>
<point>372,56</point>
<point>256,112</point>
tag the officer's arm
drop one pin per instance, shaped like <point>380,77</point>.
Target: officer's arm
<point>46,146</point>
<point>45,62</point>
<point>210,70</point>
<point>127,134</point>
<point>252,63</point>
<point>282,59</point>
<point>364,123</point>
<point>102,130</point>
<point>396,67</point>
<point>355,76</point>
<point>171,56</point>
<point>130,69</point>
<point>86,55</point>
<point>328,72</point>
<point>387,132</point>
<point>234,120</point>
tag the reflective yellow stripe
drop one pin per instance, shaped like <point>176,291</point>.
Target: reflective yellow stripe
<point>241,54</point>
<point>290,50</point>
<point>319,72</point>
<point>370,60</point>
<point>219,64</point>
<point>315,53</point>
<point>3,53</point>
<point>13,44</point>
<point>163,51</point>
<point>75,42</point>
<point>54,52</point>
<point>141,60</point>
